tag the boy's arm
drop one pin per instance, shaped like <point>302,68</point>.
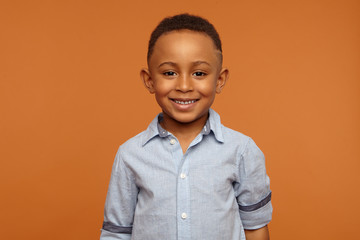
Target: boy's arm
<point>253,192</point>
<point>258,234</point>
<point>120,203</point>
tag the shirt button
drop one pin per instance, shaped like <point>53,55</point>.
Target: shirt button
<point>183,175</point>
<point>183,215</point>
<point>172,141</point>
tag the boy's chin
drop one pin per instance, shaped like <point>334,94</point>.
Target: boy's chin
<point>185,118</point>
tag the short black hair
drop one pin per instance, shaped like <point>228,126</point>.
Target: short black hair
<point>181,22</point>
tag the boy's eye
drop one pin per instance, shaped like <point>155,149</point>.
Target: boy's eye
<point>169,73</point>
<point>199,74</point>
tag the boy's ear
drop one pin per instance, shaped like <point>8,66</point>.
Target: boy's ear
<point>147,80</point>
<point>223,77</point>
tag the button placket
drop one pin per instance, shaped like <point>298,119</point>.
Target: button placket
<point>183,197</point>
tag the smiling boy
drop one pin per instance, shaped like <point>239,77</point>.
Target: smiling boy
<point>187,176</point>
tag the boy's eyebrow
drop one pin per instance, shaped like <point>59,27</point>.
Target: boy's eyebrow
<point>169,63</point>
<point>200,62</point>
<point>194,63</point>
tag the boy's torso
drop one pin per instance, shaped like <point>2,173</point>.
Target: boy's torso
<point>186,196</point>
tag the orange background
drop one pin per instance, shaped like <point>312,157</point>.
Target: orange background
<point>70,94</point>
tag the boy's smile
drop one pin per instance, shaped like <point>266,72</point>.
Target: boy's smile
<point>185,74</point>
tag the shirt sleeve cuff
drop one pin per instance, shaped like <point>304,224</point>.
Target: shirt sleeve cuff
<point>106,235</point>
<point>111,231</point>
<point>258,218</point>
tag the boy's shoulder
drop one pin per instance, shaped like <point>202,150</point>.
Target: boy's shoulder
<point>236,138</point>
<point>229,135</point>
<point>139,140</point>
<point>232,134</point>
<point>233,139</point>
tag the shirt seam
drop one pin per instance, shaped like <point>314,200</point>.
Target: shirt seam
<point>241,158</point>
<point>128,173</point>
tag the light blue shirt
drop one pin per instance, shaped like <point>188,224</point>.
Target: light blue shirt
<point>214,191</point>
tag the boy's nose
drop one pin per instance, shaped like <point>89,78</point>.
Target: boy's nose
<point>184,84</point>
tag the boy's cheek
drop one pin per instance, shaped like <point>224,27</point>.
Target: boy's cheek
<point>163,86</point>
<point>206,89</point>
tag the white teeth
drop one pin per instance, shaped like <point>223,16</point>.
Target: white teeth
<point>185,102</point>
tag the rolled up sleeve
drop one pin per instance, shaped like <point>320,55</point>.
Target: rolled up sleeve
<point>120,202</point>
<point>253,191</point>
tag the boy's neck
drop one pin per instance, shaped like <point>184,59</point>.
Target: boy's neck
<point>184,132</point>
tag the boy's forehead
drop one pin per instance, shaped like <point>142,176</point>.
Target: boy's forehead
<point>193,42</point>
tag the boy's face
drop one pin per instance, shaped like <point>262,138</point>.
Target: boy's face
<point>184,74</point>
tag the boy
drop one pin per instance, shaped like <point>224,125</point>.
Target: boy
<point>187,176</point>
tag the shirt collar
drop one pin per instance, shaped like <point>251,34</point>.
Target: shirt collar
<point>212,124</point>
<point>215,125</point>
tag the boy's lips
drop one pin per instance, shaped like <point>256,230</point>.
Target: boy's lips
<point>184,104</point>
<point>184,101</point>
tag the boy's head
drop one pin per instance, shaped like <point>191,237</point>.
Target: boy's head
<point>184,68</point>
<point>184,22</point>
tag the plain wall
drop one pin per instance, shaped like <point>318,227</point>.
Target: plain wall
<point>70,94</point>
